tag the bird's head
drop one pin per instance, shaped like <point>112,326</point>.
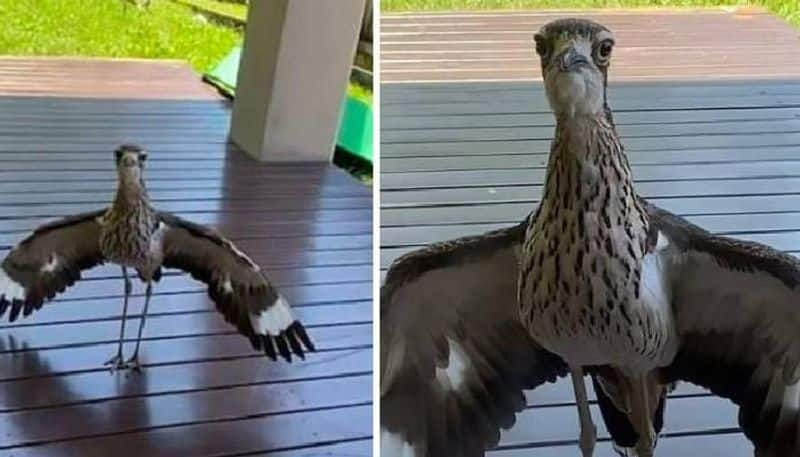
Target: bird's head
<point>130,163</point>
<point>575,54</point>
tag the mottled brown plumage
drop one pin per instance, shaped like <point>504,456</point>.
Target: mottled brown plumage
<point>133,234</point>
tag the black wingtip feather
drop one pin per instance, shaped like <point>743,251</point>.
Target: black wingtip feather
<point>283,348</point>
<point>269,348</point>
<point>298,329</point>
<point>295,345</point>
<point>16,307</point>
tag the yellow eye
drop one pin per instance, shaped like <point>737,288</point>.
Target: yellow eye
<point>604,50</point>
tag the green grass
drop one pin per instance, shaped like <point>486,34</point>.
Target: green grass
<point>788,9</point>
<point>237,10</point>
<point>360,92</point>
<point>112,28</point>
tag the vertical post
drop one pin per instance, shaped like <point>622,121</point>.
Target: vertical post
<point>293,75</point>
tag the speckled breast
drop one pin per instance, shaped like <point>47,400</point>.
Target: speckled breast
<point>597,299</point>
<point>131,243</point>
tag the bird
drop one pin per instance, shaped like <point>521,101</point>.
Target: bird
<point>132,234</point>
<point>595,280</point>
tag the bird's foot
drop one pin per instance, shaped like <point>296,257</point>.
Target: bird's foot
<point>115,363</point>
<point>587,440</point>
<point>133,364</point>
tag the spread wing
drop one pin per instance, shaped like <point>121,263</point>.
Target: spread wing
<point>48,261</point>
<point>737,306</point>
<point>238,287</point>
<point>454,357</point>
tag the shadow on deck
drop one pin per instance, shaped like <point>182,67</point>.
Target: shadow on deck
<point>204,391</point>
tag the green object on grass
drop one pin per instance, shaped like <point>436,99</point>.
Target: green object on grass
<point>223,75</point>
<point>355,128</point>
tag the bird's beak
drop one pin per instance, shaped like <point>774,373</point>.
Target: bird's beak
<point>572,60</point>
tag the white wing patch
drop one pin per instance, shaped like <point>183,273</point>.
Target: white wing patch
<point>51,265</point>
<point>393,445</point>
<point>452,377</point>
<point>227,286</point>
<point>662,242</point>
<point>9,288</point>
<point>274,319</point>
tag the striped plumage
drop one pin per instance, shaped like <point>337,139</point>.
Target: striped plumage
<point>584,253</point>
<point>133,234</point>
<point>596,280</point>
<point>130,229</point>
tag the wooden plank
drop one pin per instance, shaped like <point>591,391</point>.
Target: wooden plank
<point>176,199</point>
<point>35,426</point>
<point>522,176</point>
<point>620,104</point>
<point>101,77</point>
<point>626,131</point>
<point>404,220</point>
<point>633,144</point>
<point>511,161</point>
<point>529,193</point>
<point>391,123</point>
<point>27,364</point>
<point>432,47</point>
<point>407,94</point>
<point>727,444</point>
<point>232,437</point>
<point>180,376</point>
<point>313,185</point>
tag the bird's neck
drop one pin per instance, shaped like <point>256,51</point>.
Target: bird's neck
<point>589,178</point>
<point>131,195</point>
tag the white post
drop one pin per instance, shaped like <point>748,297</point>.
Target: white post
<point>293,74</point>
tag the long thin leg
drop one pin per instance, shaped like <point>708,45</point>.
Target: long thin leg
<point>588,430</point>
<point>133,362</point>
<point>641,417</point>
<point>115,362</point>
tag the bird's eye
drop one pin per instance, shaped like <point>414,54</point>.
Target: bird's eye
<point>604,50</point>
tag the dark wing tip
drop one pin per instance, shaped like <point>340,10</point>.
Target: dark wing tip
<point>269,348</point>
<point>293,340</point>
<point>16,307</point>
<point>299,331</point>
<point>283,348</point>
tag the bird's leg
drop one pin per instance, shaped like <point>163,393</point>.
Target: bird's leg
<point>115,362</point>
<point>640,415</point>
<point>133,362</point>
<point>588,430</point>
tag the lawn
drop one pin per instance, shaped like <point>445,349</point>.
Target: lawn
<point>112,28</point>
<point>788,9</point>
<point>237,10</point>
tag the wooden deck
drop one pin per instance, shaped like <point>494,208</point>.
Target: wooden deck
<point>462,158</point>
<point>705,44</point>
<point>101,78</point>
<point>204,391</point>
